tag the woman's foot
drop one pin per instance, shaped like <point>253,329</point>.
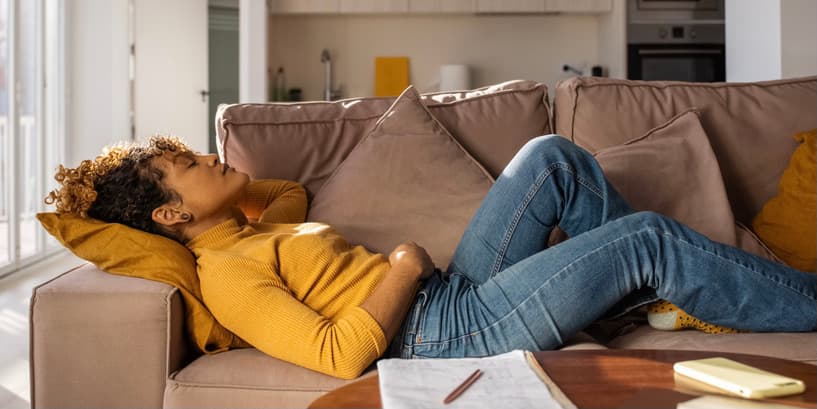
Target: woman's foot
<point>664,315</point>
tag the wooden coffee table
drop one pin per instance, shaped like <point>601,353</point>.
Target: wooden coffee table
<point>613,378</point>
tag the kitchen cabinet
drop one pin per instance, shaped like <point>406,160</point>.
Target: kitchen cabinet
<point>374,6</point>
<point>303,6</point>
<point>437,6</point>
<point>510,6</point>
<point>442,6</point>
<point>579,6</point>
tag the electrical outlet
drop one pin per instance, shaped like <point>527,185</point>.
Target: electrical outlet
<point>572,69</point>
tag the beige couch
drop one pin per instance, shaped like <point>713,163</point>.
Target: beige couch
<point>101,340</point>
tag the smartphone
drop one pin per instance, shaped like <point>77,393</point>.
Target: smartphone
<point>738,378</point>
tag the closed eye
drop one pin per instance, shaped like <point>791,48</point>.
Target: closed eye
<point>193,163</point>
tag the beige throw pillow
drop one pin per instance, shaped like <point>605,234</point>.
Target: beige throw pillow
<point>407,179</point>
<point>673,170</point>
<point>748,123</point>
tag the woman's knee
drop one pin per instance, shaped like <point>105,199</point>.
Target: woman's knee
<point>554,145</point>
<point>649,219</point>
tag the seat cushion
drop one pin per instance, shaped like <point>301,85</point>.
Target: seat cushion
<point>246,378</point>
<point>796,346</point>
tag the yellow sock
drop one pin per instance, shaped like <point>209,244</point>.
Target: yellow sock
<point>664,315</point>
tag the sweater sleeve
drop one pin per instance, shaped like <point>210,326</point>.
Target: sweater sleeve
<point>281,326</point>
<point>274,201</point>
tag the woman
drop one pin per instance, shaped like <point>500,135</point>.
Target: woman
<point>299,292</point>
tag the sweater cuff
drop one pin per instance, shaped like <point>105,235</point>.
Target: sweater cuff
<point>371,328</point>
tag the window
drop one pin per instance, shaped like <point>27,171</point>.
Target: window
<point>31,124</point>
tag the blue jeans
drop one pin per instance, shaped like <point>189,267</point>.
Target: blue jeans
<point>505,289</point>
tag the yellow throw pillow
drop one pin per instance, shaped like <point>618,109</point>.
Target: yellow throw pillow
<point>122,250</point>
<point>788,222</point>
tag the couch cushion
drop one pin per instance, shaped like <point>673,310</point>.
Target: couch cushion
<point>749,124</point>
<point>748,241</point>
<point>797,346</point>
<point>306,141</point>
<point>646,172</point>
<point>787,222</point>
<point>407,179</point>
<point>246,378</point>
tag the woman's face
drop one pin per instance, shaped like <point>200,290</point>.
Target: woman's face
<point>207,188</point>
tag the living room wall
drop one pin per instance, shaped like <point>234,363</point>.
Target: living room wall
<point>496,47</point>
<point>97,94</point>
<point>770,39</point>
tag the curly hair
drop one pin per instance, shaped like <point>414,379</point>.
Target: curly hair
<point>119,186</point>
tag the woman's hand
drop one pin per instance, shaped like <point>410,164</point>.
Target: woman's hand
<point>394,295</point>
<point>413,258</point>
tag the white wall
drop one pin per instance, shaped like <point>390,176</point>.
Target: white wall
<point>798,37</point>
<point>613,40</point>
<point>252,70</point>
<point>170,70</point>
<point>752,40</point>
<point>770,39</point>
<point>97,77</point>
<point>498,48</point>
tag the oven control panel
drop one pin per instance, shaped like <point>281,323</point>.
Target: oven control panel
<point>676,33</point>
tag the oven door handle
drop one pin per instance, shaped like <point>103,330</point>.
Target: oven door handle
<point>683,51</point>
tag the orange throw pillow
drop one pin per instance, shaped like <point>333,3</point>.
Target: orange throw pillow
<point>121,250</point>
<point>788,222</point>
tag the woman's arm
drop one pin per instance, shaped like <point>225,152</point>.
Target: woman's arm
<point>390,301</point>
<point>257,307</point>
<point>262,312</point>
<point>274,201</point>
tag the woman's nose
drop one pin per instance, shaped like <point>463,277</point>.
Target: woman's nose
<point>212,159</point>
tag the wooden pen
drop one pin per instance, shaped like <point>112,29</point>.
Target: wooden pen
<point>463,386</point>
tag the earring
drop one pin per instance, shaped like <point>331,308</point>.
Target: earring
<point>185,216</point>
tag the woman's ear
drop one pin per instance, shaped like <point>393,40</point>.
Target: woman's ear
<point>166,215</point>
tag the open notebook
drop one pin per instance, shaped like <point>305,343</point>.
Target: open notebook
<point>510,380</point>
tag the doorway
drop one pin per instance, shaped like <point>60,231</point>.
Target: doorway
<point>222,32</point>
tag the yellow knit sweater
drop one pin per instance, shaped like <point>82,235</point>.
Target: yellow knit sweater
<point>291,289</point>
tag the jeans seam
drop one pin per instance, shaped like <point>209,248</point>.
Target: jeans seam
<point>532,192</point>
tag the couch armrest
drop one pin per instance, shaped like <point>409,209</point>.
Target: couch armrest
<point>105,341</point>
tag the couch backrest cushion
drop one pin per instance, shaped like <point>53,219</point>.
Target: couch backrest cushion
<point>408,178</point>
<point>305,142</point>
<point>749,124</point>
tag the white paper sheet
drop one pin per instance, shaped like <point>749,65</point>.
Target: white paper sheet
<point>507,381</point>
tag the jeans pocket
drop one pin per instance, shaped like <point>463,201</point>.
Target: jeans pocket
<point>415,329</point>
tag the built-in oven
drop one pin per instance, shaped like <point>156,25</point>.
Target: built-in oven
<point>676,40</point>
<point>662,10</point>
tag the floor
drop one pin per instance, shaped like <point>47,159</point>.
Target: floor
<point>15,294</point>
